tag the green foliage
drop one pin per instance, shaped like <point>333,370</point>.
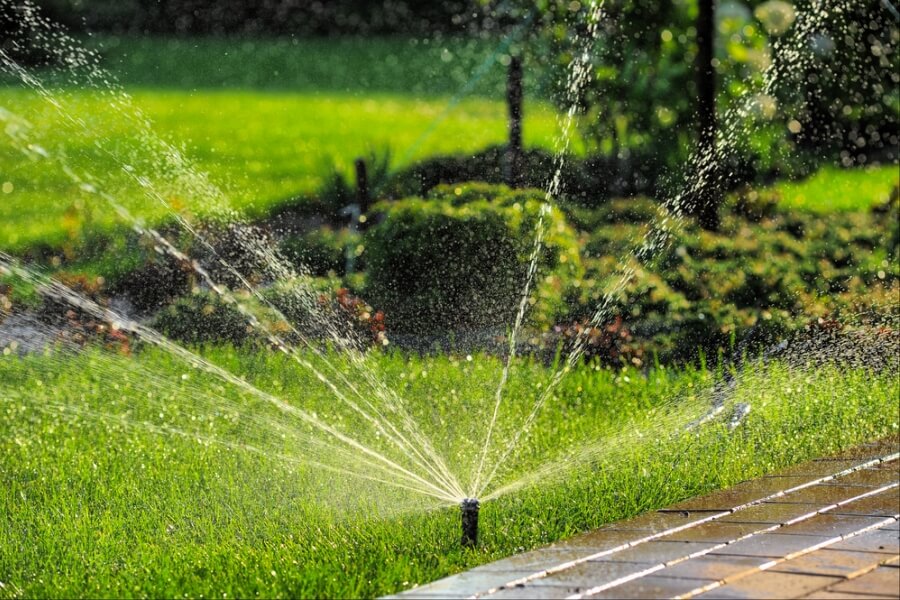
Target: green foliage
<point>457,259</point>
<point>203,317</point>
<point>838,104</point>
<point>323,251</point>
<point>767,272</point>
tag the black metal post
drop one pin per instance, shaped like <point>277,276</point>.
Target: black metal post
<point>362,186</point>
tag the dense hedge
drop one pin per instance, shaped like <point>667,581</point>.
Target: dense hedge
<point>457,259</point>
<point>765,274</point>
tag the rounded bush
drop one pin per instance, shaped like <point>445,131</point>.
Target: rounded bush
<point>457,260</point>
<point>202,318</point>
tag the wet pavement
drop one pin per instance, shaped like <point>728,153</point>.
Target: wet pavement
<point>825,529</point>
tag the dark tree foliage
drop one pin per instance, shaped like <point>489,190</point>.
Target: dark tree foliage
<point>850,106</point>
<point>16,41</point>
<point>269,17</point>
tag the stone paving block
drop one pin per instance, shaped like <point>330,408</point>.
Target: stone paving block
<point>816,469</point>
<point>883,581</point>
<point>659,552</point>
<point>885,503</point>
<point>824,495</point>
<point>653,586</point>
<point>871,478</point>
<point>541,559</point>
<point>605,538</point>
<point>739,495</point>
<point>766,584</point>
<point>772,513</point>
<point>867,451</point>
<point>592,573</point>
<point>829,525</point>
<point>715,567</point>
<point>715,531</point>
<point>528,592</point>
<point>879,540</point>
<point>464,584</point>
<point>840,563</point>
<point>888,465</point>
<point>656,521</point>
<point>772,546</point>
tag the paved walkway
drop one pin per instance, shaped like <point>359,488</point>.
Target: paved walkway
<point>824,529</point>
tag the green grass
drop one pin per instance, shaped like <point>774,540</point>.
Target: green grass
<point>261,147</point>
<point>419,67</point>
<point>100,497</point>
<point>839,190</point>
<point>266,119</point>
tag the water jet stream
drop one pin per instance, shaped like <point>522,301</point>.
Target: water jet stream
<point>578,75</point>
<point>440,471</point>
<point>60,292</point>
<point>703,170</point>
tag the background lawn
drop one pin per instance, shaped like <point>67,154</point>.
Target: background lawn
<point>261,147</point>
<point>266,120</point>
<point>832,189</point>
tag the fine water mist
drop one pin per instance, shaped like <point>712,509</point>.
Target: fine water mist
<point>353,422</point>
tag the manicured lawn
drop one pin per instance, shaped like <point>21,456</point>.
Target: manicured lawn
<point>261,147</point>
<point>266,119</point>
<point>439,67</point>
<point>142,476</point>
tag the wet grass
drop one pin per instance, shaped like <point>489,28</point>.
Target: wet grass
<point>94,502</point>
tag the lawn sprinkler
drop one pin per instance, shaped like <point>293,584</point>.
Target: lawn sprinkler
<point>469,509</point>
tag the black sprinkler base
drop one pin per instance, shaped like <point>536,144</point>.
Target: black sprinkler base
<point>469,509</point>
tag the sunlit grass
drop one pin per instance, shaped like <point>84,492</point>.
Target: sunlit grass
<point>831,189</point>
<point>108,507</point>
<point>260,147</point>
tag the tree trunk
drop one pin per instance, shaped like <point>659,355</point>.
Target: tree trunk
<point>706,205</point>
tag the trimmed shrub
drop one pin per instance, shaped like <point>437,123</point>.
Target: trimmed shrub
<point>766,274</point>
<point>202,318</point>
<point>457,260</point>
<point>322,251</point>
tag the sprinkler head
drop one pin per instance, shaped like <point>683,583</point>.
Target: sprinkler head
<point>469,509</point>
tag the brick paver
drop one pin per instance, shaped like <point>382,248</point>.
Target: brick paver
<point>825,529</point>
